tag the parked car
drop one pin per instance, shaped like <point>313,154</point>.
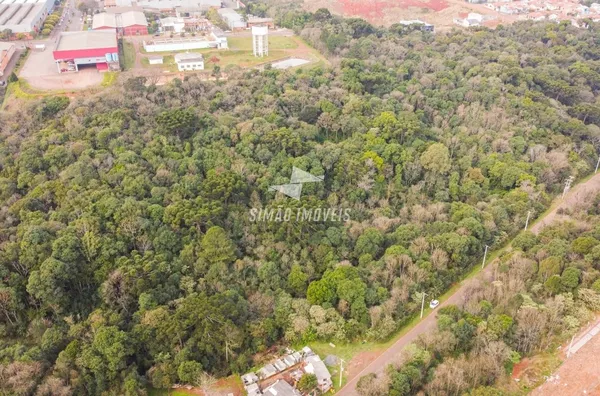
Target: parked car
<point>433,304</point>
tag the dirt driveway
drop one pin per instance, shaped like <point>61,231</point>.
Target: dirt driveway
<point>578,375</point>
<point>41,73</point>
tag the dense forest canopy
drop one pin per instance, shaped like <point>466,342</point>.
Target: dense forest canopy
<point>128,257</point>
<point>537,296</point>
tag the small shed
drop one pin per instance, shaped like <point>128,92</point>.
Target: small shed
<point>249,378</point>
<point>155,60</point>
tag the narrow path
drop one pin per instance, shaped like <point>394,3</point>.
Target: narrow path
<point>577,193</point>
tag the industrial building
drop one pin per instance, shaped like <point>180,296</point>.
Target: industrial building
<point>184,24</point>
<point>165,5</point>
<point>234,20</point>
<point>94,47</point>
<point>7,50</point>
<point>189,61</point>
<point>129,23</point>
<point>258,21</point>
<point>24,16</point>
<point>215,39</point>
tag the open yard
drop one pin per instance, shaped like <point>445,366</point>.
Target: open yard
<point>40,72</point>
<point>239,53</point>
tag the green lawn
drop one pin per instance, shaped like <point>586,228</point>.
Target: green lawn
<point>128,55</point>
<point>275,43</point>
<point>168,63</point>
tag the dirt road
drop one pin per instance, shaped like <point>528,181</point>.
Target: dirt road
<point>577,193</point>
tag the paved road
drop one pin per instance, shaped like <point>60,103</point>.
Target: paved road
<point>577,193</point>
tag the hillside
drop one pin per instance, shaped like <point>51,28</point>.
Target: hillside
<point>129,254</point>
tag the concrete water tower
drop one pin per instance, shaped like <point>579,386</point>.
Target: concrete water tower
<point>260,40</point>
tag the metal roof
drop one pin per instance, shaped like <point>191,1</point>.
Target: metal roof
<point>69,41</point>
<point>119,20</point>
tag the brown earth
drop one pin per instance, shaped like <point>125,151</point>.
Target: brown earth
<point>578,375</point>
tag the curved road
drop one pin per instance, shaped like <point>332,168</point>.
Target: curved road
<point>577,194</point>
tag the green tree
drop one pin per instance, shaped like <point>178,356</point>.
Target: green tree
<point>307,383</point>
<point>436,159</point>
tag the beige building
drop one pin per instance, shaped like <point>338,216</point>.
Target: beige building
<point>7,50</point>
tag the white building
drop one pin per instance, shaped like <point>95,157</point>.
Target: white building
<point>472,19</point>
<point>314,365</point>
<point>24,16</point>
<point>215,39</point>
<point>232,18</point>
<point>188,61</point>
<point>172,24</point>
<point>260,40</point>
<point>155,60</point>
<point>281,388</point>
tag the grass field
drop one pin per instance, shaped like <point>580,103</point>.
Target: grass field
<point>275,43</point>
<point>128,55</point>
<point>239,53</point>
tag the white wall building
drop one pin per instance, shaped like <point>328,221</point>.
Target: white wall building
<point>232,18</point>
<point>260,40</point>
<point>155,60</point>
<point>172,24</point>
<point>24,16</point>
<point>214,40</point>
<point>189,61</point>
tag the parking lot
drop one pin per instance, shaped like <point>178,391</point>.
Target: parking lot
<point>41,73</point>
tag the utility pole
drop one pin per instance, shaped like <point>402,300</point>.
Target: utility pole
<point>422,305</point>
<point>597,164</point>
<point>342,361</point>
<point>527,221</point>
<point>484,256</point>
<point>568,185</point>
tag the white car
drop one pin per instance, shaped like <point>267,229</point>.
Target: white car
<point>433,304</point>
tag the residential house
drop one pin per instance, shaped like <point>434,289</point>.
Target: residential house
<point>281,388</point>
<point>314,365</point>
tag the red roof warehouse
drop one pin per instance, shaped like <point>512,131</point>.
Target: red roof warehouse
<point>75,49</point>
<point>128,23</point>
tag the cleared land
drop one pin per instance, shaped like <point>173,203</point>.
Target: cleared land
<point>578,375</point>
<point>387,12</point>
<point>40,72</point>
<point>239,53</point>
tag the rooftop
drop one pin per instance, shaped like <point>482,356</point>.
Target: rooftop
<point>91,39</point>
<point>281,388</point>
<point>314,365</point>
<point>188,57</point>
<point>125,19</point>
<point>4,46</point>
